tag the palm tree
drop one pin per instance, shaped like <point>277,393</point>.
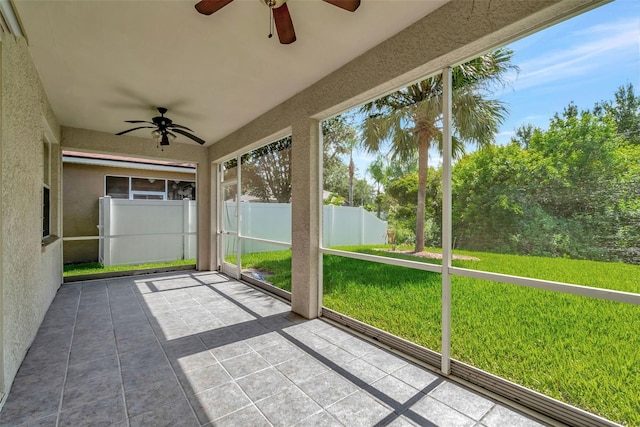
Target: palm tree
<point>409,120</point>
<point>350,145</point>
<point>378,171</point>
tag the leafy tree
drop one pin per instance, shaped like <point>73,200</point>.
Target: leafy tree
<point>404,191</point>
<point>339,138</point>
<point>571,190</point>
<point>625,111</point>
<point>378,171</point>
<point>266,171</point>
<point>409,120</point>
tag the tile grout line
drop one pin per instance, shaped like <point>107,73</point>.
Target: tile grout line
<point>233,380</point>
<point>113,330</point>
<point>175,375</point>
<point>66,370</point>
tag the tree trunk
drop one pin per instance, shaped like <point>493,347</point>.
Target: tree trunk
<point>352,170</point>
<point>378,200</point>
<point>424,140</point>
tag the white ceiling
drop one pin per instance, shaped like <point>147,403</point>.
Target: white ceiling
<point>103,62</point>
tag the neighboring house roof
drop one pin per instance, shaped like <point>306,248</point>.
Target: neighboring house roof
<point>125,162</point>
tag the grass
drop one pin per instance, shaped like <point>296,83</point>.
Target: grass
<point>85,268</point>
<point>583,351</point>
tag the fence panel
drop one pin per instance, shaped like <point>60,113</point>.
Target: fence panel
<point>343,225</point>
<point>141,231</point>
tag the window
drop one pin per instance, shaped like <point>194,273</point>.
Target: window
<point>46,211</point>
<point>46,191</point>
<point>117,187</point>
<point>124,187</point>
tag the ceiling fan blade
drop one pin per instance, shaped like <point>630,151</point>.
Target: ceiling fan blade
<point>131,130</point>
<point>188,135</point>
<point>350,5</point>
<point>138,121</point>
<point>284,24</point>
<point>207,7</point>
<point>173,125</point>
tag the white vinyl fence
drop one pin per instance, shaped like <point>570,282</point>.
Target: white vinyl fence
<point>141,231</point>
<point>343,225</point>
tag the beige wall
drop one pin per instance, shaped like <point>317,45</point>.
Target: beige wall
<point>82,186</point>
<point>457,31</point>
<point>31,272</point>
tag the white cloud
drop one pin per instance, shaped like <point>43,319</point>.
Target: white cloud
<point>585,51</point>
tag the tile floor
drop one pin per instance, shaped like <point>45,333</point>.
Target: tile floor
<point>197,348</point>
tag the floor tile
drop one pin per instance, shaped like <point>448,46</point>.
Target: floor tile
<point>362,372</point>
<point>439,413</point>
<point>334,354</point>
<point>163,393</point>
<point>244,365</point>
<point>24,405</point>
<point>201,379</point>
<point>218,402</point>
<point>416,377</point>
<point>49,421</point>
<point>463,400</point>
<point>98,413</point>
<point>288,407</point>
<point>334,335</point>
<point>248,416</point>
<point>301,369</point>
<point>264,383</point>
<point>359,409</point>
<point>323,419</point>
<point>394,392</point>
<point>94,368</point>
<point>280,352</point>
<point>143,376</point>
<point>501,416</point>
<point>83,390</point>
<point>327,388</point>
<point>384,360</point>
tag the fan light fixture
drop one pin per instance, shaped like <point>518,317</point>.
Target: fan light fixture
<point>163,138</point>
<point>164,130</point>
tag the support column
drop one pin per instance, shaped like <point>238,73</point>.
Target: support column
<point>214,240</point>
<point>305,188</point>
<point>203,198</point>
<point>447,153</point>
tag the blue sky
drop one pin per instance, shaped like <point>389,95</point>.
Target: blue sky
<point>584,60</point>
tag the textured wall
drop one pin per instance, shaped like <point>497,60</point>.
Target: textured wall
<point>31,273</point>
<point>457,31</point>
<point>83,185</point>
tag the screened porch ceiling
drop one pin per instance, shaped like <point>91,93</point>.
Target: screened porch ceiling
<point>103,62</point>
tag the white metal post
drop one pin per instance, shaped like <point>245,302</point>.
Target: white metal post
<point>446,220</point>
<point>186,217</point>
<point>238,217</point>
<point>321,241</point>
<point>362,229</point>
<point>106,230</point>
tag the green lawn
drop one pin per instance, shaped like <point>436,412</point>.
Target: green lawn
<point>85,268</point>
<point>580,350</point>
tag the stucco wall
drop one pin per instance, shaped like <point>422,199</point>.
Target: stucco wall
<point>83,185</point>
<point>459,30</point>
<point>31,272</point>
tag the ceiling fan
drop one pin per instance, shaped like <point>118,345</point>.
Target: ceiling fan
<point>278,10</point>
<point>163,128</point>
